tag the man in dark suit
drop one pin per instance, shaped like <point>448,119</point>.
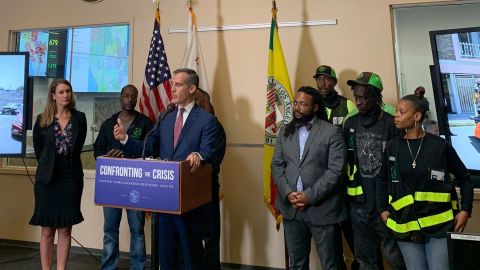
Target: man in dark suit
<point>211,211</point>
<point>308,159</point>
<point>187,133</point>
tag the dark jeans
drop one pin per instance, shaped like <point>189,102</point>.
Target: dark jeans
<point>327,238</point>
<point>369,232</point>
<point>111,225</point>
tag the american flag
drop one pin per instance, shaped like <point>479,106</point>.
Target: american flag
<point>157,87</point>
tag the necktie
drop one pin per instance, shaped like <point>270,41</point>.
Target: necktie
<point>178,126</point>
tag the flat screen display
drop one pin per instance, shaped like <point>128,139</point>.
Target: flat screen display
<point>97,58</point>
<point>93,59</point>
<point>456,55</point>
<point>47,52</point>
<point>13,88</point>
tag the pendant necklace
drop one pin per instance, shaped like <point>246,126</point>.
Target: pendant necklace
<point>414,163</point>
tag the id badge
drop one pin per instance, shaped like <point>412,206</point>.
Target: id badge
<point>438,175</point>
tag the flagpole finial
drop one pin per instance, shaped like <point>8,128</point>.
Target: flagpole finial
<point>156,2</point>
<point>274,5</point>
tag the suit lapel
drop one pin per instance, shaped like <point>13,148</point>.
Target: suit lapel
<point>74,127</point>
<point>311,135</point>
<point>192,116</point>
<point>296,144</point>
<point>168,124</point>
<point>51,133</point>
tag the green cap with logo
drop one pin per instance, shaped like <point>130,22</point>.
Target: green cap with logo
<point>325,70</point>
<point>367,78</point>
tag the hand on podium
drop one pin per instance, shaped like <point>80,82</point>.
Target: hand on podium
<point>194,160</point>
<point>115,153</point>
<point>119,131</point>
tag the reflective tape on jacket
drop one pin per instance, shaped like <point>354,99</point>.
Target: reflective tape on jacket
<point>432,196</point>
<point>455,205</point>
<point>403,227</point>
<point>355,191</point>
<point>351,176</point>
<point>436,219</point>
<point>402,202</point>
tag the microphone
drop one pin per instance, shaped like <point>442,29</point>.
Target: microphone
<point>161,116</point>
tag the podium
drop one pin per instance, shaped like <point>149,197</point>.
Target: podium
<point>151,185</point>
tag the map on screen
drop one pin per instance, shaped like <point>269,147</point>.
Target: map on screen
<point>97,60</point>
<point>36,43</point>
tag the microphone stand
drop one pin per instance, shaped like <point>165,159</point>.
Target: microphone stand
<point>154,257</point>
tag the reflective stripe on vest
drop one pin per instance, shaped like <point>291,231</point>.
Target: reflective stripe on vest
<point>401,203</point>
<point>328,111</point>
<point>455,205</point>
<point>355,191</point>
<point>436,219</point>
<point>351,176</point>
<point>403,227</point>
<point>432,196</point>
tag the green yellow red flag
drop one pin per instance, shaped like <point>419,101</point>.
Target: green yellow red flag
<point>279,110</point>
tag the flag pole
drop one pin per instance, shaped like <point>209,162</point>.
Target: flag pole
<point>274,10</point>
<point>154,226</point>
<point>287,265</point>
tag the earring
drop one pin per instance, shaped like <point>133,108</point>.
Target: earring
<point>415,124</point>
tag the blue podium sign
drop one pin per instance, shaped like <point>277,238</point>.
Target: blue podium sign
<point>137,183</point>
<point>151,185</point>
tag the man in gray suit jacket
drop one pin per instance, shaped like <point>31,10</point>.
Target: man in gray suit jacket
<point>308,159</point>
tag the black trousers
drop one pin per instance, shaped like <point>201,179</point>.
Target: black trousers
<point>369,232</point>
<point>210,228</point>
<point>327,238</point>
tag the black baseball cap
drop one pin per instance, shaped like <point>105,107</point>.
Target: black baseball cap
<point>325,70</point>
<point>367,78</point>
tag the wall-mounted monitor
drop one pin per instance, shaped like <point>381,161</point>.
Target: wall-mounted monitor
<point>456,56</point>
<point>47,52</point>
<point>13,92</point>
<point>94,59</point>
<point>97,58</point>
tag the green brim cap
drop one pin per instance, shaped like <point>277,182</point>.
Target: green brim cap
<point>367,78</point>
<point>325,70</point>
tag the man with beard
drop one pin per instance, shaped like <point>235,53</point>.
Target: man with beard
<point>308,159</point>
<point>367,133</point>
<point>137,126</point>
<point>336,106</point>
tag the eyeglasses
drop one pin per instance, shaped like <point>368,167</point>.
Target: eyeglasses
<point>301,103</point>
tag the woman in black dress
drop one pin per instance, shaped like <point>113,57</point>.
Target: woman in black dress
<point>58,138</point>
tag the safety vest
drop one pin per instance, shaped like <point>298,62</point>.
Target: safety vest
<point>337,115</point>
<point>354,179</point>
<point>427,205</point>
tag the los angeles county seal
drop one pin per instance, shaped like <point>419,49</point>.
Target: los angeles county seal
<point>279,110</point>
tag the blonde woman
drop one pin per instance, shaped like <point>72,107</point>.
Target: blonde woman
<point>58,137</point>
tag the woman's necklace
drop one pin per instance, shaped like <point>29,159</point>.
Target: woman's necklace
<point>414,163</point>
